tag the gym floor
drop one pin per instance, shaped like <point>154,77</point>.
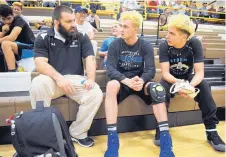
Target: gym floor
<point>188,141</point>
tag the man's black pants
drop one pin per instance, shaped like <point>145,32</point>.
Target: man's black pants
<point>204,99</point>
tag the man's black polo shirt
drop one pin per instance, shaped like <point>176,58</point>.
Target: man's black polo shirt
<point>65,57</point>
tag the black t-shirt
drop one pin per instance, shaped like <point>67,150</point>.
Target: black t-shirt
<point>26,35</point>
<point>65,57</point>
<point>182,60</point>
<point>126,61</point>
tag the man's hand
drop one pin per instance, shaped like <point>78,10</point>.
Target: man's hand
<point>183,94</point>
<point>137,83</point>
<point>89,84</point>
<point>128,82</point>
<point>66,85</point>
<point>5,28</point>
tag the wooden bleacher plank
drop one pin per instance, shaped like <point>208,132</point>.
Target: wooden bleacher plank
<point>157,64</point>
<point>22,103</point>
<point>7,109</point>
<point>179,103</point>
<point>213,45</point>
<point>40,11</point>
<point>213,41</point>
<point>218,96</point>
<point>69,108</point>
<point>214,53</point>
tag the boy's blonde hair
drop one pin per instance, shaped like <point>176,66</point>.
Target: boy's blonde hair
<point>183,23</point>
<point>18,4</point>
<point>134,16</point>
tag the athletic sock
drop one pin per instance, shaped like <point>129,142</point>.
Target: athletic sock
<point>163,126</point>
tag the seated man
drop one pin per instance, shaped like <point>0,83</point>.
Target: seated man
<point>82,25</point>
<point>49,3</point>
<point>163,20</point>
<point>17,11</point>
<point>85,27</point>
<point>58,57</point>
<point>179,55</point>
<point>94,20</point>
<point>15,36</point>
<point>131,68</point>
<point>115,30</point>
<point>204,9</point>
<point>44,25</point>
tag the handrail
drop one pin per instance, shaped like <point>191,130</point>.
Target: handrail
<point>212,2</point>
<point>157,40</point>
<point>196,23</point>
<point>171,8</point>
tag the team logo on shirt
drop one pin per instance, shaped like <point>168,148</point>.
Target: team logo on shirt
<point>179,68</point>
<point>74,44</point>
<point>129,60</point>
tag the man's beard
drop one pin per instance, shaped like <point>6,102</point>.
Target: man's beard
<point>69,36</point>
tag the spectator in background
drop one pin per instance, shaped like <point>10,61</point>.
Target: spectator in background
<point>17,11</point>
<point>49,3</point>
<point>204,9</point>
<point>170,7</point>
<point>83,26</point>
<point>115,30</point>
<point>94,20</point>
<point>152,6</point>
<point>44,25</point>
<point>164,20</point>
<point>11,2</point>
<point>68,4</point>
<point>33,3</point>
<point>161,10</point>
<point>192,7</point>
<point>220,9</point>
<point>163,4</point>
<point>16,36</point>
<point>130,5</point>
<point>94,5</point>
<point>212,15</point>
<point>3,2</point>
<point>179,7</point>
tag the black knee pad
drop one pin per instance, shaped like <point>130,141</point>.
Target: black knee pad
<point>157,92</point>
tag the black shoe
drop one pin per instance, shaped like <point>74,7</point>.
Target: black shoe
<point>157,137</point>
<point>86,142</point>
<point>215,141</point>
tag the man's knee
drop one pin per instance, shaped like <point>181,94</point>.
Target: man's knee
<point>113,87</point>
<point>98,94</point>
<point>157,92</point>
<point>39,83</point>
<point>5,45</point>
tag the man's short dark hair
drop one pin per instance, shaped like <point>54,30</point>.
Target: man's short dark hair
<point>58,10</point>
<point>5,10</point>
